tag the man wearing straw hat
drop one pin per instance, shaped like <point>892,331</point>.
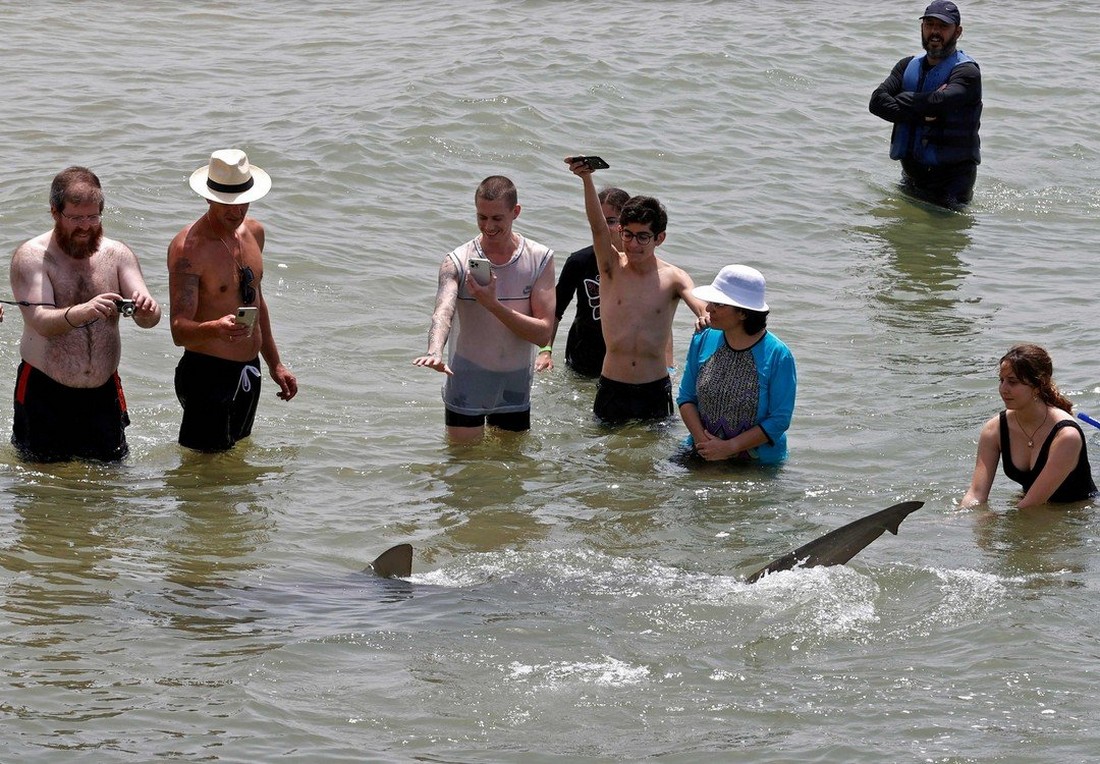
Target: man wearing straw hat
<point>74,285</point>
<point>215,273</point>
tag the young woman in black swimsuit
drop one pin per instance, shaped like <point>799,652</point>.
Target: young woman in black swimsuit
<point>1036,437</point>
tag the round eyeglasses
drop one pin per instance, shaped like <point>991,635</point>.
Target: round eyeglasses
<point>78,219</point>
<point>643,238</point>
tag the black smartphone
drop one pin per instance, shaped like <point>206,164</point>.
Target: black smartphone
<point>594,163</point>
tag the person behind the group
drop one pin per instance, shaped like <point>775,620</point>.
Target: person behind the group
<point>639,294</point>
<point>1036,438</point>
<point>71,283</point>
<point>584,347</point>
<point>215,266</point>
<point>737,393</point>
<point>490,365</point>
<point>934,101</point>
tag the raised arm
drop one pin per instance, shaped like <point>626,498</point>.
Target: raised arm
<point>607,257</point>
<point>446,298</point>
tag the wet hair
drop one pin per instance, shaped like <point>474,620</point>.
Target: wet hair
<point>614,197</point>
<point>497,187</point>
<point>645,210</point>
<point>1032,365</point>
<point>75,185</point>
<point>755,320</point>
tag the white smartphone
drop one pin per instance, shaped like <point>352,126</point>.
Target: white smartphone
<point>479,267</point>
<point>247,315</point>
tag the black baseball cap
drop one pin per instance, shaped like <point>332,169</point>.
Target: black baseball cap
<point>943,10</point>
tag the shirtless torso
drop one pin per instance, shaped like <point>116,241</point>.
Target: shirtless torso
<point>215,265</point>
<point>639,294</point>
<point>206,274</point>
<point>637,305</point>
<point>72,334</point>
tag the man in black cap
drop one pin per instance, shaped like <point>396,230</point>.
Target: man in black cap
<point>935,102</point>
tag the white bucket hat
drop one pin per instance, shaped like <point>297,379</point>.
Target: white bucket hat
<point>230,179</point>
<point>738,285</point>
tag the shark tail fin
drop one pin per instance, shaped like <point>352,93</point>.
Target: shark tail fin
<point>395,562</point>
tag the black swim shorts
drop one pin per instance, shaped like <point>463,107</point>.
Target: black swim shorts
<point>513,421</point>
<point>219,399</point>
<point>54,422</point>
<point>618,402</point>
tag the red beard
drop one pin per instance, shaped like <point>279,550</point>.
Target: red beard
<point>79,245</point>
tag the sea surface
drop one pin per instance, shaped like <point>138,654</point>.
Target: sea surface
<point>576,596</point>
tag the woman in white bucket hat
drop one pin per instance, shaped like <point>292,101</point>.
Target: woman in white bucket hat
<point>738,389</point>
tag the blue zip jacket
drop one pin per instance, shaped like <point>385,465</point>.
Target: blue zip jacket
<point>777,378</point>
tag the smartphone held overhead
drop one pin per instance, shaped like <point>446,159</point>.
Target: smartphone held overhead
<point>593,162</point>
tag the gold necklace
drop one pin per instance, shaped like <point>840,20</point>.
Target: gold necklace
<point>1031,437</point>
<point>227,249</point>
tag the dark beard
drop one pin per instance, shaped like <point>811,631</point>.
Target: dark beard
<point>946,48</point>
<point>78,249</point>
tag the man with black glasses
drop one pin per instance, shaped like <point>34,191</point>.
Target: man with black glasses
<point>73,286</point>
<point>639,293</point>
<point>218,311</point>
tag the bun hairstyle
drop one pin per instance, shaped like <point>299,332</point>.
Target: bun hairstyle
<point>1032,365</point>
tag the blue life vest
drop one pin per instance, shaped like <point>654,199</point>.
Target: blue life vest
<point>950,138</point>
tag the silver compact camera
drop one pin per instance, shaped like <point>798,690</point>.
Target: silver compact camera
<point>125,307</point>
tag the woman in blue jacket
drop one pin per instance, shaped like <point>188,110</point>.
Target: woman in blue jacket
<point>737,393</point>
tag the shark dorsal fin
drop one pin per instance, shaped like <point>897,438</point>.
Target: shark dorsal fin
<point>395,562</point>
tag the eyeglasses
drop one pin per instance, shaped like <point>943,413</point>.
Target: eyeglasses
<point>248,292</point>
<point>78,219</point>
<point>643,238</point>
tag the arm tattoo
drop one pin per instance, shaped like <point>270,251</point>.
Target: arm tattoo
<point>445,300</point>
<point>184,294</point>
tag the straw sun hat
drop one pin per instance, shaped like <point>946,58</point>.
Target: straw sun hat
<point>230,179</point>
